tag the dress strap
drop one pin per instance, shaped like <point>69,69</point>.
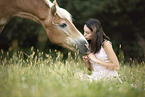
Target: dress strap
<point>105,41</point>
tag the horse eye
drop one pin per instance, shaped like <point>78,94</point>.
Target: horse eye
<point>63,25</point>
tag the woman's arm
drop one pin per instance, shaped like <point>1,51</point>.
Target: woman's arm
<point>114,64</point>
<point>87,63</point>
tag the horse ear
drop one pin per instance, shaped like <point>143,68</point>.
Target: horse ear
<point>54,2</point>
<point>53,10</point>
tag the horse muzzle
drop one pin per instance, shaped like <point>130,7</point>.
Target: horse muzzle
<point>82,47</point>
<point>78,45</point>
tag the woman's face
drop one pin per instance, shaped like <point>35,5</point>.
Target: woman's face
<point>87,33</point>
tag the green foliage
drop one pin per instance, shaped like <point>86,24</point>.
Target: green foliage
<point>39,76</point>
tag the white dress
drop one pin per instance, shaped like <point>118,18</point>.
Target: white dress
<point>100,72</point>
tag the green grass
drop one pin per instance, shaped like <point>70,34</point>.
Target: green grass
<point>40,75</point>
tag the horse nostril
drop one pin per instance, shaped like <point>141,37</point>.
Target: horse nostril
<point>83,46</point>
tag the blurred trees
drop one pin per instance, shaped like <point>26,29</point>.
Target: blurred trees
<point>22,30</point>
<point>123,21</point>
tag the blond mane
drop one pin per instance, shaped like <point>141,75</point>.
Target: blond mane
<point>60,11</point>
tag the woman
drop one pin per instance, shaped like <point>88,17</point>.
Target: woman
<point>102,59</point>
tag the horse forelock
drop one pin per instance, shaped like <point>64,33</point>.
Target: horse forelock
<point>64,13</point>
<point>60,11</point>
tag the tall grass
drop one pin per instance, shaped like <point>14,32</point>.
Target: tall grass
<point>41,75</point>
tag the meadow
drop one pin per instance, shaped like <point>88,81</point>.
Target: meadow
<point>38,74</point>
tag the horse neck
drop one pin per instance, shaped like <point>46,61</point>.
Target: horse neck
<point>35,10</point>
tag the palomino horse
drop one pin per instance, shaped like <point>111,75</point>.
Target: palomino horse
<point>56,21</point>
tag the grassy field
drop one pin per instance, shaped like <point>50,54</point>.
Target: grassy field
<point>40,75</point>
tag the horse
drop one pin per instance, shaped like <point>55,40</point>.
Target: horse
<point>56,21</point>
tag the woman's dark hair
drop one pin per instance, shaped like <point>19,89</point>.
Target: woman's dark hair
<point>99,36</point>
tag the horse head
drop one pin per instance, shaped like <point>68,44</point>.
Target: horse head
<point>61,30</point>
<point>56,21</point>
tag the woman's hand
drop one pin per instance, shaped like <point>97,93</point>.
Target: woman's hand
<point>87,63</point>
<point>85,58</point>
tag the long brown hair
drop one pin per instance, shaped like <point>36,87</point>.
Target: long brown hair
<point>99,36</point>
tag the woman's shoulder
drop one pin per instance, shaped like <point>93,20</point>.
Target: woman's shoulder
<point>107,46</point>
